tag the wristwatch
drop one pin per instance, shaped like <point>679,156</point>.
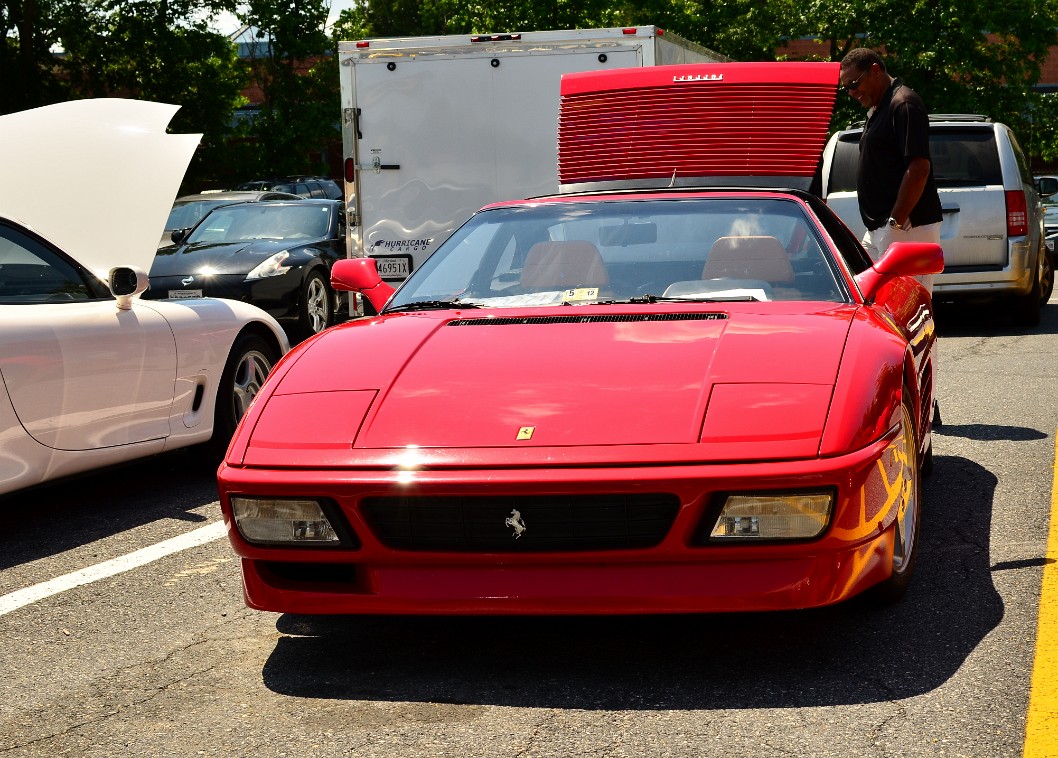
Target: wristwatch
<point>896,224</point>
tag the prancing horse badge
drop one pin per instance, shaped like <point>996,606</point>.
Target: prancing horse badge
<point>526,432</point>
<point>515,522</point>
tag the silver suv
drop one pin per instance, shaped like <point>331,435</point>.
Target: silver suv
<point>992,228</point>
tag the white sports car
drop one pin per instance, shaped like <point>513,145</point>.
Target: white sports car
<point>90,374</point>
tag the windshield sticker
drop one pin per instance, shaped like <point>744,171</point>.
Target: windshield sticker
<point>580,294</point>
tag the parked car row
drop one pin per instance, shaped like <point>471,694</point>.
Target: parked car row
<point>188,210</point>
<point>302,186</point>
<point>680,386</point>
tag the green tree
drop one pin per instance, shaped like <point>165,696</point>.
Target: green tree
<point>299,115</point>
<point>392,18</point>
<point>29,74</point>
<point>962,56</point>
<point>158,50</point>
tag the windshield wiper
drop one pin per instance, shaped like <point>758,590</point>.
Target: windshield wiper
<point>649,299</point>
<point>431,305</point>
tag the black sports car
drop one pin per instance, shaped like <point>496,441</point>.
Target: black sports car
<point>274,254</point>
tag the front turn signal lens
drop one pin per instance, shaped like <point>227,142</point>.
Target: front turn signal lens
<point>795,516</point>
<point>273,521</point>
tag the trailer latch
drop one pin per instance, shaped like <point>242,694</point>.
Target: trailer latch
<point>378,166</point>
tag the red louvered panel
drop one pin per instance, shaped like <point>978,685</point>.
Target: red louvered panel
<point>703,120</point>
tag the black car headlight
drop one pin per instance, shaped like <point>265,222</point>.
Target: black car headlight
<point>270,266</point>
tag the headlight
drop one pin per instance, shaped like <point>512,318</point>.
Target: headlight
<point>795,516</point>
<point>271,521</point>
<point>271,266</point>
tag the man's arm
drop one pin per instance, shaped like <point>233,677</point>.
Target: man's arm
<point>911,124</point>
<point>911,186</point>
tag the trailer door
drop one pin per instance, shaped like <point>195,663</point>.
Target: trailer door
<point>440,136</point>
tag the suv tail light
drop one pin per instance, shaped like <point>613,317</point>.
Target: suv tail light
<point>1017,214</point>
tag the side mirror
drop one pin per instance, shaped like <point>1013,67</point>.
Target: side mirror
<point>179,235</point>
<point>361,275</point>
<point>1047,186</point>
<point>901,259</point>
<point>126,283</point>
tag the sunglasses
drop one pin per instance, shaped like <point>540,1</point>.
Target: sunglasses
<point>855,83</point>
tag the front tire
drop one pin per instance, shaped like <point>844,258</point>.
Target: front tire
<point>250,361</point>
<point>1027,306</point>
<point>1046,276</point>
<point>907,526</point>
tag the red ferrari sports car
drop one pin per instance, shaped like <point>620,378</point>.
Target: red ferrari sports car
<point>642,400</point>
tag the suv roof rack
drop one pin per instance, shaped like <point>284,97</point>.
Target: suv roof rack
<point>964,117</point>
<point>959,117</point>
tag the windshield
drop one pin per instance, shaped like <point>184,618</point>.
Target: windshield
<point>253,221</point>
<point>186,214</point>
<point>268,186</point>
<point>701,249</point>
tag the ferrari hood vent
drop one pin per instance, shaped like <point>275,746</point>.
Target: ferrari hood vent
<point>616,318</point>
<point>708,124</point>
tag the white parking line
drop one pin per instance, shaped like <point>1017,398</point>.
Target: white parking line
<point>15,600</point>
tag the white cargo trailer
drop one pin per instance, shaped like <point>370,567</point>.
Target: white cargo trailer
<point>436,127</point>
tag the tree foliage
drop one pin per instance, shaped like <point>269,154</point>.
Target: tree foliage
<point>298,115</point>
<point>29,74</point>
<point>160,50</point>
<point>961,55</point>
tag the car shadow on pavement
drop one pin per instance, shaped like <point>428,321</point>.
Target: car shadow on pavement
<point>103,503</point>
<point>990,432</point>
<point>851,653</point>
<point>988,320</point>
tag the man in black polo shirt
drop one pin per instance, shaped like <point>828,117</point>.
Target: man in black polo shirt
<point>894,180</point>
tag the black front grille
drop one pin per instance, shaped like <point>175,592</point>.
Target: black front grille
<point>549,522</point>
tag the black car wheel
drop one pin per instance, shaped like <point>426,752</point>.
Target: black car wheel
<point>1046,275</point>
<point>317,305</point>
<point>249,363</point>
<point>1026,310</point>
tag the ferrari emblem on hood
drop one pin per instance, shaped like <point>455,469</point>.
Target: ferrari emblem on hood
<point>526,433</point>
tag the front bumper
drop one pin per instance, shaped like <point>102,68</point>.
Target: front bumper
<point>277,295</point>
<point>682,573</point>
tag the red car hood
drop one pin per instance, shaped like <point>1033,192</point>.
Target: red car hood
<point>549,379</point>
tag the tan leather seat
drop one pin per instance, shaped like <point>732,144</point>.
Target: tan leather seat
<point>563,265</point>
<point>760,258</point>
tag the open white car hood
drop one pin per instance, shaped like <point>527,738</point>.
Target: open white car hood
<point>95,177</point>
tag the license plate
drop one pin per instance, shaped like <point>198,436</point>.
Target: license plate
<point>393,267</point>
<point>184,294</point>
